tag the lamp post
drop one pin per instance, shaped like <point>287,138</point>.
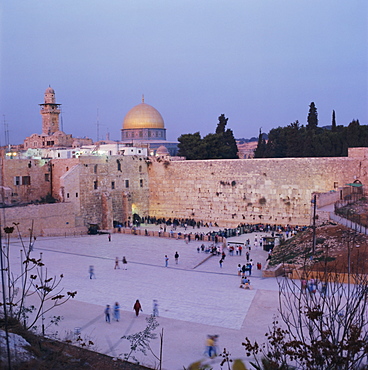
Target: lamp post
<point>314,201</point>
<point>43,292</point>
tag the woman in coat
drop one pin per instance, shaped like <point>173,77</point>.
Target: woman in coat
<point>137,307</point>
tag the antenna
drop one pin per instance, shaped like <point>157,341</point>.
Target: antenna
<point>6,131</point>
<point>98,126</point>
<point>61,120</point>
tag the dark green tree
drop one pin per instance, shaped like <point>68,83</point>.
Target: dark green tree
<point>220,145</point>
<point>220,129</point>
<point>212,146</point>
<point>191,146</point>
<point>355,135</point>
<point>261,146</point>
<point>229,147</point>
<point>312,118</point>
<point>333,121</point>
<point>276,145</point>
<point>293,139</point>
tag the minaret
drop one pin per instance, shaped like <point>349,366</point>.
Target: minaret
<point>50,113</point>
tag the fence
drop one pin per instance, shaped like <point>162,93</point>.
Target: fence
<point>349,223</point>
<point>345,215</point>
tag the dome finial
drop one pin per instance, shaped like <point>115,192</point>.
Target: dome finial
<point>142,98</point>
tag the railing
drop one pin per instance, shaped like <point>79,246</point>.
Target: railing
<point>347,216</point>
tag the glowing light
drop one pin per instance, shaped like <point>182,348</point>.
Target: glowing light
<point>134,208</point>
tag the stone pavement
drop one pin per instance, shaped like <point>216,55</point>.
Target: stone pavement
<point>193,301</point>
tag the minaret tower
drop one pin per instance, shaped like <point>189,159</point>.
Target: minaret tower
<point>50,113</point>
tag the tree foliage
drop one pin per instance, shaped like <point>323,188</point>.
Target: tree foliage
<point>33,280</point>
<point>333,127</point>
<point>190,146</point>
<point>295,140</point>
<point>261,146</point>
<point>218,145</point>
<point>324,328</point>
<point>312,118</point>
<point>140,342</point>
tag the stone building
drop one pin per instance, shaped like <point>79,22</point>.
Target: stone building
<point>26,180</point>
<point>51,135</point>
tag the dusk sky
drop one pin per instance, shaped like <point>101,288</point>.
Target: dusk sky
<point>260,62</point>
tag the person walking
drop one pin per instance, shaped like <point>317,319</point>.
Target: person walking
<point>155,308</point>
<point>137,307</point>
<point>247,256</point>
<point>117,311</point>
<point>176,257</point>
<point>91,272</point>
<point>109,237</point>
<point>220,262</point>
<point>125,263</point>
<point>166,260</point>
<point>116,263</point>
<point>211,346</point>
<point>107,313</point>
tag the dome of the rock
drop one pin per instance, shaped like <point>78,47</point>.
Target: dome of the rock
<point>143,116</point>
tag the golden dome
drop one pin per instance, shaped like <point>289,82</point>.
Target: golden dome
<point>143,116</point>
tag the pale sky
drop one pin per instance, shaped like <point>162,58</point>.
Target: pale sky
<point>259,62</point>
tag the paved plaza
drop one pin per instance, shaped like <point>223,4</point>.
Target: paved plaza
<point>196,297</point>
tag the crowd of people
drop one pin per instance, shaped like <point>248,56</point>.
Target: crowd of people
<point>171,225</point>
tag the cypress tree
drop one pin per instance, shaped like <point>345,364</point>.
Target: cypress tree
<point>333,121</point>
<point>312,118</point>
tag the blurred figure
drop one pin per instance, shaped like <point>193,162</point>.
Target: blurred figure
<point>107,313</point>
<point>91,272</point>
<point>117,311</point>
<point>137,307</point>
<point>155,308</point>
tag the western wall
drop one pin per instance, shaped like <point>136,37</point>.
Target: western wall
<point>106,190</point>
<point>229,192</point>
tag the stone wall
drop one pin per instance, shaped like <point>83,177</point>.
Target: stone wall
<point>57,216</point>
<point>229,192</point>
<point>103,189</point>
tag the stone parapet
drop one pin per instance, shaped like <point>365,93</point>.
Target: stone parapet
<point>39,217</point>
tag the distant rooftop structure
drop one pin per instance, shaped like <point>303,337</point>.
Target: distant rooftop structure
<point>69,152</point>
